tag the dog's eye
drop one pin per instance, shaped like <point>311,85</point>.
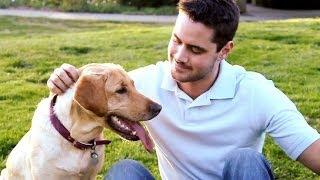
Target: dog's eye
<point>121,90</point>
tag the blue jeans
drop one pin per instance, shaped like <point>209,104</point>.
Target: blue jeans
<point>241,164</point>
<point>128,169</point>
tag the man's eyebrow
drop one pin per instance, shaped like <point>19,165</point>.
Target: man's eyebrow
<point>191,45</point>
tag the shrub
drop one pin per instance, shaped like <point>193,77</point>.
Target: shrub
<point>73,5</point>
<point>289,4</point>
<point>149,3</point>
<point>100,6</point>
<point>10,3</point>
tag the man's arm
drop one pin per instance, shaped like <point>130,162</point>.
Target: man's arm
<point>62,78</point>
<point>311,157</point>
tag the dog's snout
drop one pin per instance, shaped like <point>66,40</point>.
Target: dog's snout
<point>155,108</point>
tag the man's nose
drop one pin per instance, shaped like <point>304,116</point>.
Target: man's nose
<point>181,54</point>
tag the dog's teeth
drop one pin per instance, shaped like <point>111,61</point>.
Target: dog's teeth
<point>120,123</point>
<point>134,133</point>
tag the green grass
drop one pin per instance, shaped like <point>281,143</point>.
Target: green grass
<point>108,6</point>
<point>285,51</point>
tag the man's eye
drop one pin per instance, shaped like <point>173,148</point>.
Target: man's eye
<point>196,50</point>
<point>174,39</point>
<point>121,90</point>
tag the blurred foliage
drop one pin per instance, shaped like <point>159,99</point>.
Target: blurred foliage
<point>149,3</point>
<point>288,4</point>
<point>100,6</point>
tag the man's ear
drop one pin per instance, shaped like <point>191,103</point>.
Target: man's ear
<point>224,52</point>
<point>89,94</point>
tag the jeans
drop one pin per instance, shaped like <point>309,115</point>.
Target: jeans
<point>241,164</point>
<point>246,164</point>
<point>128,169</point>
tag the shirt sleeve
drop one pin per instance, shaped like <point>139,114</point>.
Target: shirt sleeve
<point>141,76</point>
<point>283,122</point>
<point>290,130</point>
<point>148,79</point>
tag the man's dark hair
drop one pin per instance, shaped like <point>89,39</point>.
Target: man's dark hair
<point>220,15</point>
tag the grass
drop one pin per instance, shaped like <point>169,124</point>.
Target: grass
<point>285,51</point>
<point>108,6</point>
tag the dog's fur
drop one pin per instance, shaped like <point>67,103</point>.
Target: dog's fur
<point>44,154</point>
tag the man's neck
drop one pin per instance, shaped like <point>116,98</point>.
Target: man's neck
<point>196,88</point>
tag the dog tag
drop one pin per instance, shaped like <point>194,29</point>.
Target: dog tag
<point>94,158</point>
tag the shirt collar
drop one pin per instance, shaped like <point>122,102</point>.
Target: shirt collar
<point>223,88</point>
<point>225,85</point>
<point>168,83</point>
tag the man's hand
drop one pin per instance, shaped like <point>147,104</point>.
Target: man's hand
<point>62,78</point>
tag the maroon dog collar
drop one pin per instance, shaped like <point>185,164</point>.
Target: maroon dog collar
<point>66,134</point>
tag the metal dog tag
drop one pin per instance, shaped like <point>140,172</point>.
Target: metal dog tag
<point>94,158</point>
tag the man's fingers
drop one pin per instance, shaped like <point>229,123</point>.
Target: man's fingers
<point>64,77</point>
<point>53,88</point>
<point>71,71</point>
<point>57,81</point>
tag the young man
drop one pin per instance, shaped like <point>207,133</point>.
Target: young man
<point>215,115</point>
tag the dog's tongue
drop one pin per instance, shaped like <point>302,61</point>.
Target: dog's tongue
<point>143,136</point>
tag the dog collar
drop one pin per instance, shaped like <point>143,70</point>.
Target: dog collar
<point>66,134</point>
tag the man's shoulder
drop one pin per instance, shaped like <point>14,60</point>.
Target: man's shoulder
<point>264,95</point>
<point>256,80</point>
<point>247,78</point>
<point>250,78</point>
<point>158,67</point>
<point>254,84</point>
<point>152,75</point>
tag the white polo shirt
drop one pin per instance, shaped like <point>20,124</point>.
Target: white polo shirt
<point>193,137</point>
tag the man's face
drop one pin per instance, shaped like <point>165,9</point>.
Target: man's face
<point>191,53</point>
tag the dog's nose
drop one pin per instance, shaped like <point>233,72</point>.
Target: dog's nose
<point>155,108</point>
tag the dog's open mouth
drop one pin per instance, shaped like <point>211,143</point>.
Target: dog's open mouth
<point>130,130</point>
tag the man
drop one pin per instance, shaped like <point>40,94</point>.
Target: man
<point>215,115</point>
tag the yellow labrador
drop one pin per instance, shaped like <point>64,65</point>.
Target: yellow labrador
<point>65,139</point>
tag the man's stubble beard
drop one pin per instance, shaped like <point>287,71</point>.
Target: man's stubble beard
<point>193,76</point>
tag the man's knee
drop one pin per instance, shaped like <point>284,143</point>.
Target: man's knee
<point>128,169</point>
<point>246,163</point>
<point>127,163</point>
<point>244,155</point>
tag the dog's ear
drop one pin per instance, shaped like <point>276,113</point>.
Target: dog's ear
<point>90,95</point>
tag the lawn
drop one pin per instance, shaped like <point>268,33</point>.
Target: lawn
<point>95,6</point>
<point>285,51</point>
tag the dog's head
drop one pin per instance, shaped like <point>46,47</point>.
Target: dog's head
<point>106,90</point>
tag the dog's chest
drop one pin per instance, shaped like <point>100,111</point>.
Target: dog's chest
<point>58,154</point>
<point>81,163</point>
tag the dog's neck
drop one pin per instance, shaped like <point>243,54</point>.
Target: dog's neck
<point>83,125</point>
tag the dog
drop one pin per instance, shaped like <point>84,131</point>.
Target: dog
<point>65,138</point>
